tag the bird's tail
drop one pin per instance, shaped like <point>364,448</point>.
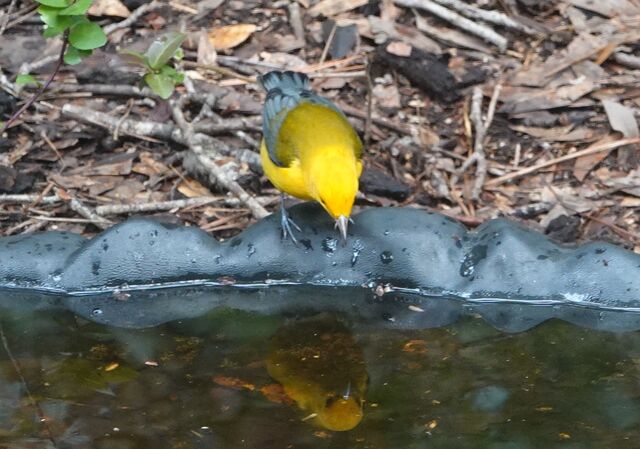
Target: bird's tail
<point>284,80</point>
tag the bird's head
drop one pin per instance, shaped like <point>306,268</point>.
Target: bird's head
<point>340,413</point>
<point>334,184</point>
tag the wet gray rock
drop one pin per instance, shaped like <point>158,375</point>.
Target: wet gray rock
<point>399,268</point>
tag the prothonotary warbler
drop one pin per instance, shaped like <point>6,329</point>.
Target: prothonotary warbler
<point>309,150</point>
<point>322,368</point>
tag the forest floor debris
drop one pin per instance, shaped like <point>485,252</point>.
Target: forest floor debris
<point>558,149</point>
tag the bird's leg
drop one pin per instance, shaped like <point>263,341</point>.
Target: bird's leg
<point>286,222</point>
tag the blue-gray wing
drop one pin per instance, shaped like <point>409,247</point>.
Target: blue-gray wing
<point>285,91</point>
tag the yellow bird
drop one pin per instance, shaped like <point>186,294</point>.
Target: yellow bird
<point>322,368</point>
<point>309,150</point>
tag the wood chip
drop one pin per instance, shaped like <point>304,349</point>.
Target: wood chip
<point>621,118</point>
<point>540,99</point>
<point>585,164</point>
<point>399,49</point>
<point>330,8</point>
<point>582,47</point>
<point>609,8</point>
<point>113,8</point>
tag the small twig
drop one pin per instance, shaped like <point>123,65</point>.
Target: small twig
<point>89,214</point>
<point>220,70</point>
<point>133,18</point>
<point>29,198</point>
<point>6,16</point>
<point>367,123</point>
<point>627,59</point>
<point>480,129</point>
<point>64,219</point>
<point>350,110</point>
<point>517,155</point>
<point>167,131</point>
<point>44,87</point>
<point>295,20</point>
<point>495,17</point>
<point>196,142</point>
<point>30,12</point>
<point>34,403</point>
<point>587,151</point>
<point>122,119</point>
<point>615,228</point>
<point>492,105</point>
<point>457,20</point>
<point>327,44</point>
<point>115,209</point>
<point>124,90</point>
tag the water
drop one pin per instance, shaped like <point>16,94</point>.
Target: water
<point>204,383</point>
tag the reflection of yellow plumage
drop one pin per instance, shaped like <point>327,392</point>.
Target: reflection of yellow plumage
<point>321,367</point>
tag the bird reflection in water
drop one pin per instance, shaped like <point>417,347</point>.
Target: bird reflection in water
<point>321,367</point>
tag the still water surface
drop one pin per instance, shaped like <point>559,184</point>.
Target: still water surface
<point>232,379</point>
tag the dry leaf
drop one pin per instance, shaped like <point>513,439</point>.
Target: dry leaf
<point>383,30</point>
<point>230,36</point>
<point>113,8</point>
<point>585,164</point>
<point>557,134</point>
<point>330,8</point>
<point>149,166</point>
<point>629,184</point>
<point>286,60</point>
<point>387,96</point>
<point>582,47</point>
<point>389,11</point>
<point>610,8</point>
<point>621,118</point>
<point>527,100</point>
<point>206,52</point>
<point>628,201</point>
<point>450,35</point>
<point>428,137</point>
<point>233,382</point>
<point>275,393</point>
<point>193,189</point>
<point>416,347</point>
<point>399,49</point>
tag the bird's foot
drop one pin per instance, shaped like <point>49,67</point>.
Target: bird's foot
<point>288,225</point>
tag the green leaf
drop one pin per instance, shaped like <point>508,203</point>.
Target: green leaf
<point>79,8</point>
<point>51,31</point>
<point>163,49</point>
<point>52,19</point>
<point>54,3</point>
<point>169,71</point>
<point>133,57</point>
<point>87,36</point>
<point>74,56</point>
<point>48,15</point>
<point>162,85</point>
<point>26,79</point>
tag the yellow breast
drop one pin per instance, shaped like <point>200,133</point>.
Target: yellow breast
<point>312,139</point>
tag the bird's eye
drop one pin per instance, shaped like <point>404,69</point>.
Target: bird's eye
<point>330,400</point>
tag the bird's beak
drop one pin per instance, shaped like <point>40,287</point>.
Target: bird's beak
<point>342,223</point>
<point>347,393</point>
